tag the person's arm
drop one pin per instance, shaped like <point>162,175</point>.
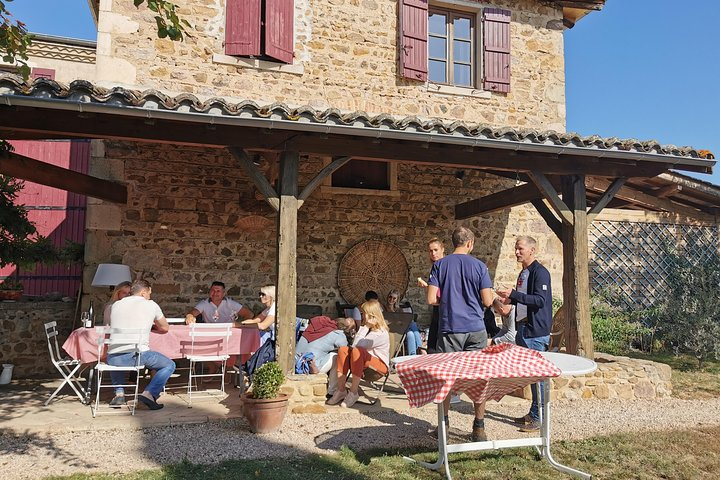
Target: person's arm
<point>432,295</point>
<point>245,313</point>
<point>486,294</point>
<point>190,317</point>
<point>265,323</point>
<point>161,325</point>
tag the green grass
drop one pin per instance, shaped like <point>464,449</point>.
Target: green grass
<point>689,382</point>
<point>689,454</point>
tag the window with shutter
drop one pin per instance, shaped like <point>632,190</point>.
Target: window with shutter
<point>442,43</point>
<point>260,28</point>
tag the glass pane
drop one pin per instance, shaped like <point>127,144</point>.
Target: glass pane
<point>437,72</point>
<point>438,48</point>
<point>437,23</point>
<point>461,51</point>
<point>461,28</point>
<point>462,75</point>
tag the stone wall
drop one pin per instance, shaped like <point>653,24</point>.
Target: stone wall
<point>617,377</point>
<point>23,342</point>
<point>346,57</point>
<point>190,212</point>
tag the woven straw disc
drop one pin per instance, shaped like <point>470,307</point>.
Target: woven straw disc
<point>372,265</point>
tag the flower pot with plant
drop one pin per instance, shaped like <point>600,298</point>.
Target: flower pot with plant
<point>263,406</point>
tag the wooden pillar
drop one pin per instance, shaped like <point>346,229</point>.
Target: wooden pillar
<point>287,261</point>
<point>576,277</point>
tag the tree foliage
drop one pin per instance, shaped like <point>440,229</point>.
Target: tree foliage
<point>689,316</point>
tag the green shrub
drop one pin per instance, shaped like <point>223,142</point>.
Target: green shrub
<point>267,381</point>
<point>614,329</point>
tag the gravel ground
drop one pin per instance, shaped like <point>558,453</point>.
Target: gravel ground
<point>36,455</point>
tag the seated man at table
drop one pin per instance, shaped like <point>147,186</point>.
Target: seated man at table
<point>139,312</point>
<point>322,338</point>
<point>217,308</point>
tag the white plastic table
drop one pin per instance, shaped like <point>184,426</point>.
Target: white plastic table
<point>568,365</point>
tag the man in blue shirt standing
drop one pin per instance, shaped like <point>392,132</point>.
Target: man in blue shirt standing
<point>532,297</point>
<point>465,291</point>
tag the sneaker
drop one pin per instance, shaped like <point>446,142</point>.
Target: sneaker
<point>533,426</point>
<point>118,401</point>
<point>337,397</point>
<point>526,420</point>
<point>478,435</point>
<point>455,399</point>
<point>350,399</point>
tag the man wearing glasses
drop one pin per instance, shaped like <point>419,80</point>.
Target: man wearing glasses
<point>217,308</point>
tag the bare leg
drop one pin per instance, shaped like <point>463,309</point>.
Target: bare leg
<point>341,382</point>
<point>354,384</point>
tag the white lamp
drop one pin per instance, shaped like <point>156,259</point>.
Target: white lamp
<point>111,274</point>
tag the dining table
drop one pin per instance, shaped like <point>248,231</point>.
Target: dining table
<point>82,344</point>
<point>487,374</point>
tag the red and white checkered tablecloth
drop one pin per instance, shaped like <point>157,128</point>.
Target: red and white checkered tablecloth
<point>481,374</point>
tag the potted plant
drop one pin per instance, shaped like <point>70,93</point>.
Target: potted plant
<point>263,406</point>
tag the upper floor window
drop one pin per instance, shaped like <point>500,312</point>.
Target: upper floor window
<point>260,28</point>
<point>451,50</point>
<point>445,46</point>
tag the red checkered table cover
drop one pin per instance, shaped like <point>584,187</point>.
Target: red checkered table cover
<point>485,374</point>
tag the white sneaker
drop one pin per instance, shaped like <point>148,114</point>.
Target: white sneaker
<point>350,399</point>
<point>455,399</point>
<point>337,397</point>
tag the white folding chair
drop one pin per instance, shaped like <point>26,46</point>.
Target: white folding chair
<point>208,341</point>
<point>108,337</point>
<point>67,366</point>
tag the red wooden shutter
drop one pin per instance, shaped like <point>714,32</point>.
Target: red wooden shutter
<point>414,39</point>
<point>48,73</point>
<point>496,49</point>
<point>242,27</point>
<point>279,35</point>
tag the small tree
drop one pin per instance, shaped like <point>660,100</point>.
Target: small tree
<point>20,243</point>
<point>690,313</point>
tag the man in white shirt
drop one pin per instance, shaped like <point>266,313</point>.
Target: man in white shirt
<point>217,308</point>
<point>138,312</point>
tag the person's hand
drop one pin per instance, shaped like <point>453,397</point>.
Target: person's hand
<point>504,292</point>
<point>190,319</point>
<point>422,283</point>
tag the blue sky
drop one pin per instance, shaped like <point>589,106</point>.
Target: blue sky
<point>644,69</point>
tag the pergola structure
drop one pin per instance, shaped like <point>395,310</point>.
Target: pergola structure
<point>565,173</point>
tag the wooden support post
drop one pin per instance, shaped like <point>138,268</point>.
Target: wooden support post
<point>287,261</point>
<point>576,278</point>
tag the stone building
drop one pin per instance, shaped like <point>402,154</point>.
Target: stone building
<point>364,119</point>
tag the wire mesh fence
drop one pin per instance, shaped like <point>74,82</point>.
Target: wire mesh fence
<point>632,258</point>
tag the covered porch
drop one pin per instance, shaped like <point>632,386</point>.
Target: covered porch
<point>559,168</point>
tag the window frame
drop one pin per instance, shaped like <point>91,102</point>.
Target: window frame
<point>392,169</point>
<point>475,59</point>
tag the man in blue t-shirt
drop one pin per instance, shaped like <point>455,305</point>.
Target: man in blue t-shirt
<point>465,291</point>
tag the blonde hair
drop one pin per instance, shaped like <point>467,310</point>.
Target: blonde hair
<point>118,288</point>
<point>372,309</point>
<point>269,290</point>
<point>347,325</point>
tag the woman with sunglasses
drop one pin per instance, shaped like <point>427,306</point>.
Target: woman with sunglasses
<point>266,319</point>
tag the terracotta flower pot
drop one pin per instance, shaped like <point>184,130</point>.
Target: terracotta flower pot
<point>265,415</point>
<point>11,294</point>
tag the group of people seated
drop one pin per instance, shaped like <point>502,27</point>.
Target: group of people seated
<point>130,307</point>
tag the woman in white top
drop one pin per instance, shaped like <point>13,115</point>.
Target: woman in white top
<point>121,291</point>
<point>370,348</point>
<point>266,320</point>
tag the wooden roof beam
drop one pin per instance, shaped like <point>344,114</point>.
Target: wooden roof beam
<point>32,170</point>
<point>648,201</point>
<point>497,201</point>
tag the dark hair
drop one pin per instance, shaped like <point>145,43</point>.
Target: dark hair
<point>217,284</point>
<point>139,285</point>
<point>371,295</point>
<point>461,236</point>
